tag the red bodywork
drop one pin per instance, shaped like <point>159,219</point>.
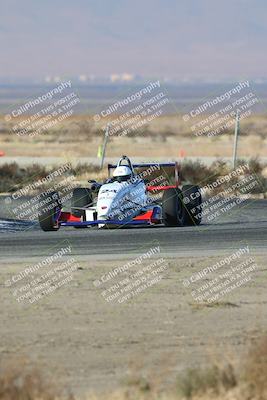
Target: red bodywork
<point>149,216</point>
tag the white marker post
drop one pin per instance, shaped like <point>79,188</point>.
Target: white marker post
<point>104,146</point>
<point>237,129</point>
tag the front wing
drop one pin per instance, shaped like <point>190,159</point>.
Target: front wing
<point>150,217</point>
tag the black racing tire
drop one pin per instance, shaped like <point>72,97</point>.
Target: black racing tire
<point>49,207</point>
<point>192,202</point>
<point>81,197</point>
<point>173,212</point>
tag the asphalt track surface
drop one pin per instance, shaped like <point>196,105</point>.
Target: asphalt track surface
<point>245,225</point>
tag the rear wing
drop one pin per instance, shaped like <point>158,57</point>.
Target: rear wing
<point>175,166</point>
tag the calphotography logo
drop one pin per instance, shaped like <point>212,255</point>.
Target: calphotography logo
<point>217,114</point>
<point>134,112</point>
<point>44,112</point>
<point>216,281</point>
<point>39,196</point>
<point>133,278</point>
<point>42,279</point>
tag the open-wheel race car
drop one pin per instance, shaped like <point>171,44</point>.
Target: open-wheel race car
<point>126,198</point>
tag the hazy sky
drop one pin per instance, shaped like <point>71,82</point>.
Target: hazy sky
<point>176,38</point>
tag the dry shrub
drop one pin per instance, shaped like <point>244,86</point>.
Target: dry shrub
<point>255,166</point>
<point>10,174</point>
<point>227,382</point>
<point>255,374</point>
<point>211,380</point>
<point>19,381</point>
<point>10,170</point>
<point>13,177</point>
<point>191,171</point>
<point>81,169</point>
<point>197,173</point>
<point>200,174</point>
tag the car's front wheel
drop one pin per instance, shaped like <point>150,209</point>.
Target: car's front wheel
<point>81,198</point>
<point>49,210</point>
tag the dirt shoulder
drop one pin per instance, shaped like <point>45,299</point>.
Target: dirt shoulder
<point>91,343</point>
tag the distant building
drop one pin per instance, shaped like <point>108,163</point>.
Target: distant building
<point>125,77</point>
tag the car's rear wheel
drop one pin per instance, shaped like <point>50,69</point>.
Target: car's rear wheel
<point>173,211</point>
<point>192,200</point>
<point>49,210</point>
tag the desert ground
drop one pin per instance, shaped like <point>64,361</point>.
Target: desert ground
<point>167,136</point>
<point>87,342</point>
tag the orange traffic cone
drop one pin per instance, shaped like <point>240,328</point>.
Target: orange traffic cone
<point>182,153</point>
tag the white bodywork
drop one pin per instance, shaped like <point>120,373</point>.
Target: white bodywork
<point>121,200</point>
